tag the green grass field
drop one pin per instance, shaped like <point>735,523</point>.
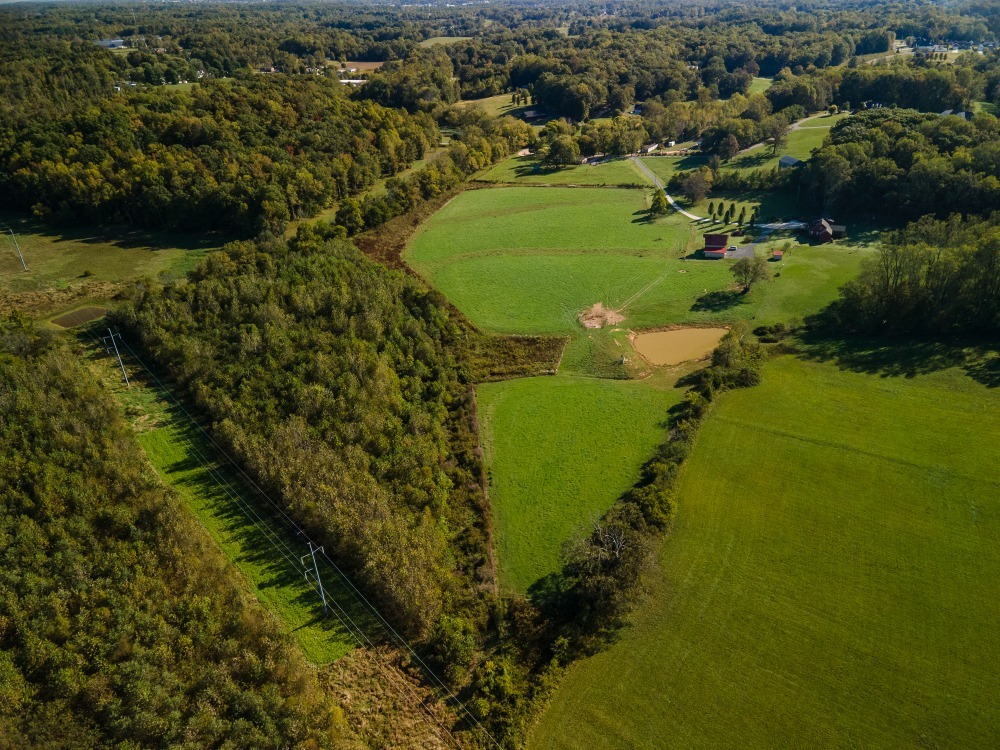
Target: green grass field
<point>665,167</point>
<point>496,105</point>
<point>59,258</point>
<point>529,260</point>
<point>527,169</point>
<point>248,530</point>
<point>801,143</point>
<point>443,40</point>
<point>830,581</point>
<point>760,85</point>
<point>559,452</point>
<point>276,581</point>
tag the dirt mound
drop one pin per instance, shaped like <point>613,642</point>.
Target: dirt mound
<point>599,316</point>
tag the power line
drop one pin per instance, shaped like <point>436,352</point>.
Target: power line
<point>353,630</point>
<point>356,593</point>
<point>18,248</point>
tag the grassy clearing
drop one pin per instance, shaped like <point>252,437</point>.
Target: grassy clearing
<point>246,529</point>
<point>496,105</point>
<point>58,259</point>
<point>559,451</point>
<point>443,40</point>
<point>760,85</point>
<point>529,260</point>
<point>665,167</point>
<point>825,586</point>
<point>801,143</point>
<point>527,169</point>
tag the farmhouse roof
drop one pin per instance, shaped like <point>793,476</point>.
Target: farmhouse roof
<point>716,240</point>
<point>821,225</point>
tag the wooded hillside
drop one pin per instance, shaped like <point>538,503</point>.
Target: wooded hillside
<point>120,623</point>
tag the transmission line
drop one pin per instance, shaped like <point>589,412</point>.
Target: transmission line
<point>353,630</point>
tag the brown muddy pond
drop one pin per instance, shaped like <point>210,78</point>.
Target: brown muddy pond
<point>678,345</point>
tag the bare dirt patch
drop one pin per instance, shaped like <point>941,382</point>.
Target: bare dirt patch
<point>78,317</point>
<point>361,65</point>
<point>678,345</point>
<point>599,316</point>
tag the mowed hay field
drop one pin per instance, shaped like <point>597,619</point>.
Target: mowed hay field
<point>528,170</point>
<point>830,581</point>
<point>529,260</point>
<point>559,452</point>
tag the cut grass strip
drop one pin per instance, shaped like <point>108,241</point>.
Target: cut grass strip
<point>250,535</point>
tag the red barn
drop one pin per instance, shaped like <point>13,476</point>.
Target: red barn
<point>715,245</point>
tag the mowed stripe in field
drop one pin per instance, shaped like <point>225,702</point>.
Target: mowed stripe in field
<point>830,582</point>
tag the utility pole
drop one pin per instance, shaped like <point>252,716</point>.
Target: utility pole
<point>315,572</point>
<point>18,248</point>
<point>111,337</point>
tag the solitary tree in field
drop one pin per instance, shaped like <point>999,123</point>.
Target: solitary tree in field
<point>749,271</point>
<point>659,204</point>
<point>732,209</point>
<point>711,209</point>
<point>743,216</point>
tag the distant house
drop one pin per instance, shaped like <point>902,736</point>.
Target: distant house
<point>822,230</point>
<point>788,162</point>
<point>532,114</point>
<point>671,144</point>
<point>650,148</point>
<point>110,43</point>
<point>778,255</point>
<point>715,245</point>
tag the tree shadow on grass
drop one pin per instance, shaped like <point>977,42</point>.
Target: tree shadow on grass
<point>719,301</point>
<point>905,357</point>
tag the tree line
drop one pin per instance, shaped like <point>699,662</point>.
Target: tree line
<point>937,277</point>
<point>120,623</point>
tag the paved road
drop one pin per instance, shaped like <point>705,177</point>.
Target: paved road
<point>794,126</point>
<point>656,181</point>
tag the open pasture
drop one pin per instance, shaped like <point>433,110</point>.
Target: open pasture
<point>496,106</point>
<point>559,452</point>
<point>528,170</point>
<point>802,140</point>
<point>829,583</point>
<point>57,259</point>
<point>435,40</point>
<point>529,260</point>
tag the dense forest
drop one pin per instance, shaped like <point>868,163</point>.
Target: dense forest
<point>345,388</point>
<point>901,163</point>
<point>332,380</point>
<point>120,623</point>
<point>938,277</point>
